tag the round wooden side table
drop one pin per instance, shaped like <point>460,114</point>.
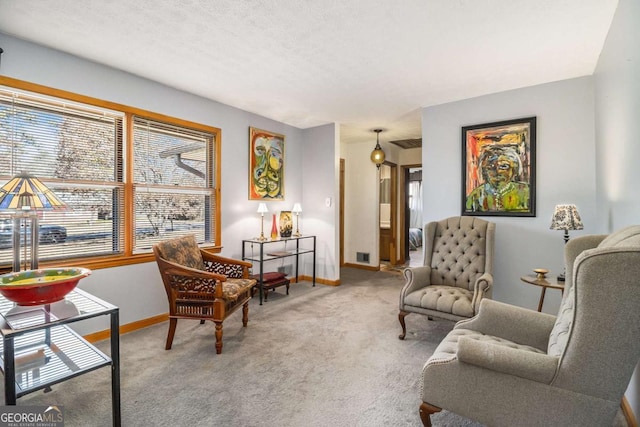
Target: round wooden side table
<point>544,284</point>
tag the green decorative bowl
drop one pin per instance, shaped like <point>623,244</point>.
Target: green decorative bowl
<point>43,286</point>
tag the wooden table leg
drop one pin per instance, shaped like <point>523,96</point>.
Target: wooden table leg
<point>541,298</point>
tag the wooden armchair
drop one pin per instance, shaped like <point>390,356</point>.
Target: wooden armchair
<point>201,285</point>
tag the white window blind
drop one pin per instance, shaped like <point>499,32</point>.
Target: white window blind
<point>173,183</point>
<point>77,151</point>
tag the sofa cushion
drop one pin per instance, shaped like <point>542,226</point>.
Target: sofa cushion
<point>628,236</point>
<point>447,299</point>
<point>182,250</point>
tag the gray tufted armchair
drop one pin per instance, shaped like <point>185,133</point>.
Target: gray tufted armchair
<point>510,366</point>
<point>457,272</point>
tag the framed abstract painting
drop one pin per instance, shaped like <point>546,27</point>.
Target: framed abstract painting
<point>266,165</point>
<point>498,168</point>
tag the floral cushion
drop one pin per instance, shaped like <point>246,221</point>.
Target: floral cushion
<point>183,251</point>
<point>232,288</point>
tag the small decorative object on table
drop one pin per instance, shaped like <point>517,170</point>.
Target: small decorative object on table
<point>296,210</point>
<point>274,228</point>
<point>286,224</point>
<point>44,286</point>
<point>540,273</point>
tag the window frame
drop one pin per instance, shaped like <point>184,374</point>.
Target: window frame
<point>128,257</point>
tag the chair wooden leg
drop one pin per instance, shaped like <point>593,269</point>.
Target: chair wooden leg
<point>425,413</point>
<point>218,337</point>
<point>172,331</point>
<point>404,327</point>
<point>245,314</point>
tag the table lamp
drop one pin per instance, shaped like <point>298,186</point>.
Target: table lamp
<point>296,210</point>
<point>566,217</point>
<point>23,196</point>
<point>262,209</point>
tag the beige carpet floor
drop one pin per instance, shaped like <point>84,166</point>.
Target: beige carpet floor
<point>321,356</point>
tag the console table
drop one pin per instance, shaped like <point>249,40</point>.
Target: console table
<point>255,250</point>
<point>39,349</point>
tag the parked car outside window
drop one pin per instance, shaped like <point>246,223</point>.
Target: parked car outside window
<point>49,233</point>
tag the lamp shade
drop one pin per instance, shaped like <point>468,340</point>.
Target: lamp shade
<point>296,208</point>
<point>262,208</point>
<point>566,217</point>
<point>26,192</point>
<point>377,155</point>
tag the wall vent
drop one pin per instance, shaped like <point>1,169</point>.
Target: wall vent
<point>362,256</point>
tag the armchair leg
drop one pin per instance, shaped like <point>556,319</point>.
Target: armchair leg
<point>218,337</point>
<point>245,314</point>
<point>404,327</point>
<point>425,413</point>
<point>172,331</point>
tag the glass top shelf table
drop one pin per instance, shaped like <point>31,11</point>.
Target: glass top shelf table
<point>39,349</point>
<point>261,254</point>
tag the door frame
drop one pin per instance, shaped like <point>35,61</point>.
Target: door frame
<point>393,241</point>
<point>405,218</point>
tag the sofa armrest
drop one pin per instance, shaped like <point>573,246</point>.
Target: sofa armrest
<point>507,360</point>
<point>416,278</point>
<point>512,323</point>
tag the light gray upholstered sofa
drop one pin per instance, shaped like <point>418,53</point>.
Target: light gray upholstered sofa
<point>511,366</point>
<point>457,272</point>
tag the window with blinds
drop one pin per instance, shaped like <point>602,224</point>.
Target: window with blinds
<point>77,152</point>
<point>173,182</point>
<point>79,148</point>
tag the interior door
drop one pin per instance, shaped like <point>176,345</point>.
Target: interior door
<point>388,213</point>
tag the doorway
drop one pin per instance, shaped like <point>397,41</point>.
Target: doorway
<point>411,220</point>
<point>388,208</point>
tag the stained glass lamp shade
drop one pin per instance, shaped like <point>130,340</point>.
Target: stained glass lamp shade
<point>26,192</point>
<point>23,196</point>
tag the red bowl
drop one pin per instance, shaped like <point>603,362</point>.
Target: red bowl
<point>44,286</point>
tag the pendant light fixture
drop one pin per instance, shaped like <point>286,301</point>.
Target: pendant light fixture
<point>377,155</point>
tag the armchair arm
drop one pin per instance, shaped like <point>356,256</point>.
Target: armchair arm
<point>481,289</point>
<point>230,267</point>
<point>512,323</point>
<point>511,361</point>
<point>416,277</point>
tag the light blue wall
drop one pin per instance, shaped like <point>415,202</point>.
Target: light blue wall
<point>565,166</point>
<point>320,199</point>
<point>137,289</point>
<point>617,112</point>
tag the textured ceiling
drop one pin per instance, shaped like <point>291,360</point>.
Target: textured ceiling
<point>362,63</point>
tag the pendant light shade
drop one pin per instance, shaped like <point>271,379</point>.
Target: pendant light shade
<point>377,155</point>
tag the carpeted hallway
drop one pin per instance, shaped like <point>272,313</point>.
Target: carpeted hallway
<point>322,356</point>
